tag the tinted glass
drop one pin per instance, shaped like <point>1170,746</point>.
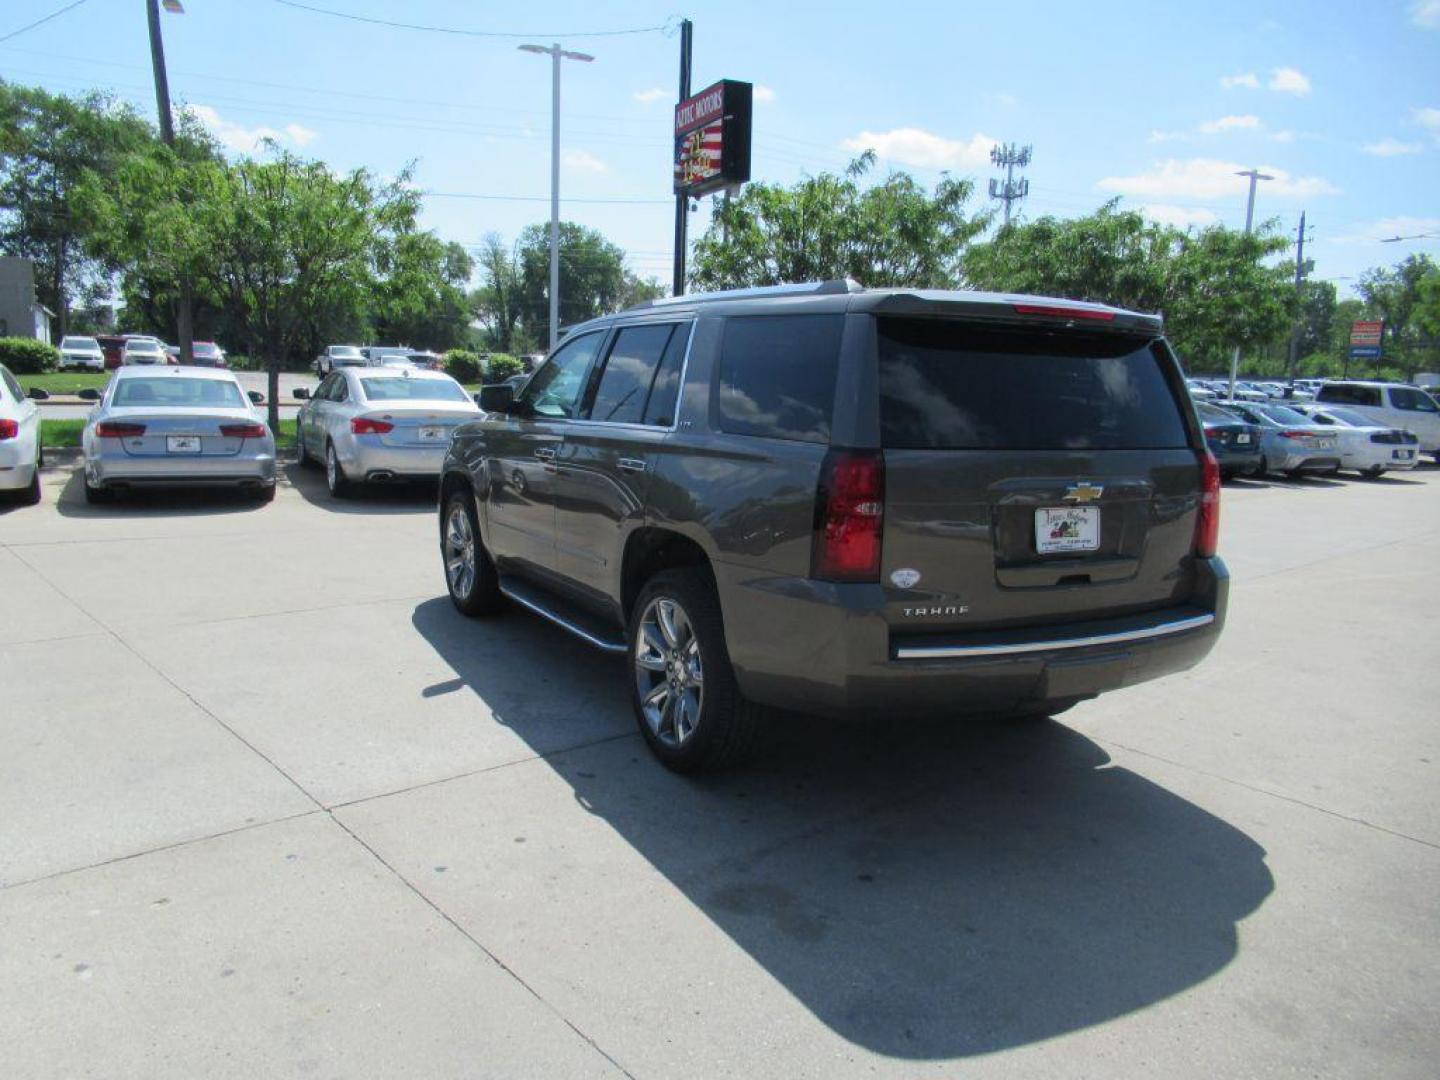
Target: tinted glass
<point>946,384</point>
<point>665,391</point>
<point>1402,397</point>
<point>176,393</point>
<point>777,376</point>
<point>401,389</point>
<point>1354,419</point>
<point>1282,415</point>
<point>1214,415</point>
<point>10,381</point>
<point>625,383</point>
<point>79,343</point>
<point>554,390</point>
<point>1349,395</point>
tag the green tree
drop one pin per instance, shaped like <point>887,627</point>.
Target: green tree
<point>497,302</point>
<point>593,278</point>
<point>1393,294</point>
<point>420,297</point>
<point>49,144</point>
<point>828,227</point>
<point>1317,316</point>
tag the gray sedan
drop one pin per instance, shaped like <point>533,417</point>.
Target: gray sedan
<point>379,424</point>
<point>176,427</point>
<point>1289,441</point>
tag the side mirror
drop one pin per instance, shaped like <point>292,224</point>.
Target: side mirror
<point>301,394</point>
<point>256,397</point>
<point>88,394</point>
<point>497,398</point>
<point>36,394</point>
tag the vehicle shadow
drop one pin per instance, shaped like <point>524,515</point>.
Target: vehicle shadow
<point>154,502</point>
<point>1390,480</point>
<point>927,891</point>
<point>398,498</point>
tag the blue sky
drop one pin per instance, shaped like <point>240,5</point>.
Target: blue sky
<point>1158,103</point>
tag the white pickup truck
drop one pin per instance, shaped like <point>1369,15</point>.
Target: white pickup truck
<point>335,356</point>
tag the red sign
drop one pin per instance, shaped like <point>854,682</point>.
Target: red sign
<point>1366,333</point>
<point>699,110</point>
<point>712,139</point>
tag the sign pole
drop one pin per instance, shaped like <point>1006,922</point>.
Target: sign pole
<point>682,201</point>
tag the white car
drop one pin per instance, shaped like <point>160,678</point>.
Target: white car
<point>143,350</point>
<point>1391,405</point>
<point>84,353</point>
<point>20,456</point>
<point>1365,447</point>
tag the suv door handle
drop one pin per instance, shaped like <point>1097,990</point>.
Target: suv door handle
<point>546,453</point>
<point>630,464</point>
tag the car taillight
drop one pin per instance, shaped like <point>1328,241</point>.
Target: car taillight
<point>363,425</point>
<point>9,429</point>
<point>112,429</point>
<point>1297,434</point>
<point>1207,518</point>
<point>1060,311</point>
<point>243,431</point>
<point>849,516</point>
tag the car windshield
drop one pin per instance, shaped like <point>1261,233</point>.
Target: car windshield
<point>1210,412</point>
<point>344,350</point>
<point>177,393</point>
<point>401,389</point>
<point>143,346</point>
<point>79,343</point>
<point>204,348</point>
<point>1282,415</point>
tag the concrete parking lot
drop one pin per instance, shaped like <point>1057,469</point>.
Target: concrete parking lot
<point>269,807</point>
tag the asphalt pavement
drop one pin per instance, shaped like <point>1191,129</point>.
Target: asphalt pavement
<point>270,807</point>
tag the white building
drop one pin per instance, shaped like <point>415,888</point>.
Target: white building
<point>21,315</point>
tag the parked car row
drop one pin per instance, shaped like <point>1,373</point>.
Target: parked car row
<point>106,352</point>
<point>338,356</point>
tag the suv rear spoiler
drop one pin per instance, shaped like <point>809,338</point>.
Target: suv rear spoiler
<point>1025,310</point>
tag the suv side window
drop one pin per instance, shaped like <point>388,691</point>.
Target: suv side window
<point>1402,397</point>
<point>1349,395</point>
<point>554,391</point>
<point>665,391</point>
<point>629,371</point>
<point>777,376</point>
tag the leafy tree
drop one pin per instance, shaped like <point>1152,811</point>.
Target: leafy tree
<point>420,298</point>
<point>828,227</point>
<point>501,366</point>
<point>1212,286</point>
<point>497,302</point>
<point>48,145</point>
<point>1317,315</point>
<point>1394,294</point>
<point>593,278</point>
<point>462,365</point>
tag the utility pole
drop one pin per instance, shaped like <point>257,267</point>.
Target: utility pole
<point>682,201</point>
<point>184,317</point>
<point>1010,190</point>
<point>556,53</point>
<point>1299,299</point>
<point>1255,176</point>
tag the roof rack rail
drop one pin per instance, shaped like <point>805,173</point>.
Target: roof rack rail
<point>807,288</point>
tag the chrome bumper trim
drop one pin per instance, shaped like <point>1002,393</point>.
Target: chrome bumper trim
<point>954,652</point>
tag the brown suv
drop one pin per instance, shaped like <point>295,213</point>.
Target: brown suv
<point>833,499</point>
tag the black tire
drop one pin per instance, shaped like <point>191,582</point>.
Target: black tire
<point>302,456</point>
<point>1294,474</point>
<point>1039,712</point>
<point>266,494</point>
<point>1373,473</point>
<point>1261,469</point>
<point>31,495</point>
<point>336,481</point>
<point>726,727</point>
<point>478,592</point>
<point>97,496</point>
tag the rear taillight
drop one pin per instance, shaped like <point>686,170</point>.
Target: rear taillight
<point>1297,434</point>
<point>9,429</point>
<point>112,429</point>
<point>849,516</point>
<point>1060,311</point>
<point>243,431</point>
<point>1207,519</point>
<point>363,425</point>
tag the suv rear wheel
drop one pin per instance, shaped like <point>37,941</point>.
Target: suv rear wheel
<point>469,574</point>
<point>686,700</point>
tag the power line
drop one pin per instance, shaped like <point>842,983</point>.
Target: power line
<point>469,33</point>
<point>40,22</point>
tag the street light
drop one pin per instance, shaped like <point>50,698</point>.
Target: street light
<point>1255,176</point>
<point>556,54</point>
<point>184,312</point>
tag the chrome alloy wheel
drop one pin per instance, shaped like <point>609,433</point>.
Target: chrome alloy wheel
<point>459,552</point>
<point>669,678</point>
<point>332,468</point>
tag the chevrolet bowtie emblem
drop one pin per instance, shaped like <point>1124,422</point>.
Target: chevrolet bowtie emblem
<point>1084,492</point>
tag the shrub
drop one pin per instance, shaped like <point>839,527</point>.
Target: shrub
<point>500,366</point>
<point>27,356</point>
<point>462,365</point>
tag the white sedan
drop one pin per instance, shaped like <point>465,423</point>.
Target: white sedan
<point>1365,447</point>
<point>19,441</point>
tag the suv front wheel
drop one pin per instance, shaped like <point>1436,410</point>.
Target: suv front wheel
<point>686,700</point>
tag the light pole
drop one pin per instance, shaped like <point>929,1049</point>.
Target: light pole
<point>556,54</point>
<point>184,317</point>
<point>1255,176</point>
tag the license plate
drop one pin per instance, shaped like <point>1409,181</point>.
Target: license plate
<point>1404,455</point>
<point>1325,444</point>
<point>1067,528</point>
<point>182,444</point>
<point>1243,438</point>
<point>434,434</point>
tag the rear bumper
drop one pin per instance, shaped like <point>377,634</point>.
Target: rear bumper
<point>234,470</point>
<point>1237,460</point>
<point>371,460</point>
<point>817,647</point>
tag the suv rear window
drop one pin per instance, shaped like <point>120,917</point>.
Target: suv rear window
<point>777,376</point>
<point>952,385</point>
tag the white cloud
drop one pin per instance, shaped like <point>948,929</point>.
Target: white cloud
<point>1229,123</point>
<point>1388,147</point>
<point>1426,14</point>
<point>1375,231</point>
<point>647,96</point>
<point>1247,80</point>
<point>1289,81</point>
<point>1282,136</point>
<point>763,93</point>
<point>583,161</point>
<point>1429,119</point>
<point>912,146</point>
<point>245,140</point>
<point>1206,178</point>
<point>1180,216</point>
<point>1170,136</point>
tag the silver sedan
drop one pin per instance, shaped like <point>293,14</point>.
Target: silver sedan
<point>379,424</point>
<point>176,427</point>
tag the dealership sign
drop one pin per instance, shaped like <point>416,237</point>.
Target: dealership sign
<point>1366,333</point>
<point>712,139</point>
